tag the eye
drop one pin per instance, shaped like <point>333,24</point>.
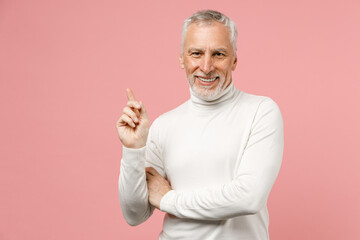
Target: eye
<point>219,54</point>
<point>195,54</point>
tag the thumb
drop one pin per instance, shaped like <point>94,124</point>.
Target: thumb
<point>143,112</point>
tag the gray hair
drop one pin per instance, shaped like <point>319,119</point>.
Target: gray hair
<point>207,16</point>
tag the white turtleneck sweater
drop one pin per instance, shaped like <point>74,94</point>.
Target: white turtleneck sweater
<point>221,158</point>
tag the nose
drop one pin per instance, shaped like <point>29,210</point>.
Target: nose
<point>206,65</point>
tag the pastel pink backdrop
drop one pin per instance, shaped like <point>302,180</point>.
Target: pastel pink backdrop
<point>64,68</point>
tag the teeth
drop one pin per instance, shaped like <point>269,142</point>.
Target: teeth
<point>207,80</point>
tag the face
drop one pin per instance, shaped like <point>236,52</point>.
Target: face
<point>208,59</point>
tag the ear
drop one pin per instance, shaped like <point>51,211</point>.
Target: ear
<point>181,61</point>
<point>234,63</point>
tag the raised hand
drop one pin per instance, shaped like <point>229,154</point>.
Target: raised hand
<point>133,125</point>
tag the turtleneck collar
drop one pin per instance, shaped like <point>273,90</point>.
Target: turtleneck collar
<point>224,97</point>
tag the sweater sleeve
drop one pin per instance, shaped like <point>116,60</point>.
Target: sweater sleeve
<point>247,193</point>
<point>133,192</point>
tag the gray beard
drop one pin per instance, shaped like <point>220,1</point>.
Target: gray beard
<point>207,95</point>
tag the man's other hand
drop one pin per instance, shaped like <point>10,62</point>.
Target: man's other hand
<point>157,186</point>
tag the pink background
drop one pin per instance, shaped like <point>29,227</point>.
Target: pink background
<point>64,68</point>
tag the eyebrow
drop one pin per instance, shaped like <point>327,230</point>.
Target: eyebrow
<point>220,50</point>
<point>201,50</point>
<point>194,50</point>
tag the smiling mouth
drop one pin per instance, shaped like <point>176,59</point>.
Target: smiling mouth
<point>206,79</point>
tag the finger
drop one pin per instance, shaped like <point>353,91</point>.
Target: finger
<point>130,94</point>
<point>152,171</point>
<point>128,111</point>
<point>126,119</point>
<point>147,170</point>
<point>133,104</point>
<point>120,122</point>
<point>148,176</point>
<point>143,110</point>
<point>136,107</point>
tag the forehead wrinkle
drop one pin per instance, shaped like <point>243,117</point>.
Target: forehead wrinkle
<point>211,50</point>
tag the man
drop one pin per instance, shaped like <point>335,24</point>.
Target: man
<point>211,162</point>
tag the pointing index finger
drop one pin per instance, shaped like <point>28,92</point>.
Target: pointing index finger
<point>130,94</point>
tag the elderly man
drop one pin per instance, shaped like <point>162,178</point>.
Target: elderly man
<point>211,162</point>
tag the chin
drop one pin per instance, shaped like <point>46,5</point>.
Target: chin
<point>206,94</point>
